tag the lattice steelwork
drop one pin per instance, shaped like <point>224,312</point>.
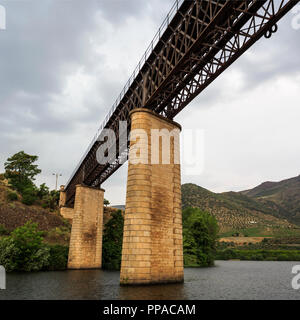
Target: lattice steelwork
<point>201,39</point>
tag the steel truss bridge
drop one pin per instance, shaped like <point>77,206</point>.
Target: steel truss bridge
<point>197,41</point>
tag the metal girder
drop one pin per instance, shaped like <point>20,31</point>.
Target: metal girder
<point>203,39</point>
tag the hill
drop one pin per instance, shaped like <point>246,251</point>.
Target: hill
<point>13,214</point>
<point>237,212</point>
<point>282,197</point>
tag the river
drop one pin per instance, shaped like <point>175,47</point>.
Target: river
<point>227,280</point>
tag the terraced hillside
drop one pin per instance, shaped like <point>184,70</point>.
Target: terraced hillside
<point>282,198</point>
<point>236,211</point>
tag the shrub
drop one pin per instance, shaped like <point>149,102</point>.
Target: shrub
<point>9,253</point>
<point>58,258</point>
<point>257,257</point>
<point>33,254</point>
<point>29,196</point>
<point>200,231</point>
<point>112,242</point>
<point>24,250</point>
<point>270,258</point>
<point>3,230</point>
<point>283,257</point>
<point>12,196</point>
<point>62,232</point>
<point>51,200</point>
<point>226,254</point>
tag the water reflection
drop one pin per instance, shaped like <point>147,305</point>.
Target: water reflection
<point>174,291</point>
<point>228,280</point>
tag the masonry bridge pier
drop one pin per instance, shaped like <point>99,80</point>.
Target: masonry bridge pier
<point>197,41</point>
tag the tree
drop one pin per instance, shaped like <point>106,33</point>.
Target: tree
<point>106,202</point>
<point>51,200</point>
<point>20,170</point>
<point>43,191</point>
<point>200,231</point>
<point>112,241</point>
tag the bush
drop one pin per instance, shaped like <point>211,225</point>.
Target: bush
<point>12,196</point>
<point>283,257</point>
<point>200,231</point>
<point>3,230</point>
<point>257,257</point>
<point>58,259</point>
<point>112,242</point>
<point>24,250</point>
<point>29,196</point>
<point>9,254</point>
<point>51,200</point>
<point>59,233</point>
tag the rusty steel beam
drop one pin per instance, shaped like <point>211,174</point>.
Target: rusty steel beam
<point>203,38</point>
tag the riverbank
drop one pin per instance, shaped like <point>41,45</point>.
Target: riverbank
<point>263,249</point>
<point>258,255</point>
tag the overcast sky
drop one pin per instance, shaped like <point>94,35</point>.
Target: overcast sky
<point>63,64</point>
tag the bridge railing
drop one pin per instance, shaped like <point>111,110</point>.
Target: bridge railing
<point>133,76</point>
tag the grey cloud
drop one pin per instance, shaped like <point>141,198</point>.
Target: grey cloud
<point>282,50</point>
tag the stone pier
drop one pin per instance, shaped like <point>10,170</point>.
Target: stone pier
<point>85,250</point>
<point>66,212</point>
<point>152,242</point>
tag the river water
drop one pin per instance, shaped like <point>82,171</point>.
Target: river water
<point>227,280</point>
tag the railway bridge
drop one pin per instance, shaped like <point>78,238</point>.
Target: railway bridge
<point>198,40</point>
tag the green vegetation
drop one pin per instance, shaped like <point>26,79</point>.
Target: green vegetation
<point>253,213</point>
<point>199,239</point>
<point>282,197</point>
<point>200,231</point>
<point>106,202</point>
<point>24,250</point>
<point>21,171</point>
<point>238,212</point>
<point>112,242</point>
<point>59,234</point>
<point>58,259</point>
<point>3,230</point>
<point>259,255</point>
<point>277,249</point>
<point>12,196</point>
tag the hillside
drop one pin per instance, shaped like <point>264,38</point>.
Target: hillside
<point>13,214</point>
<point>236,211</point>
<point>282,197</point>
